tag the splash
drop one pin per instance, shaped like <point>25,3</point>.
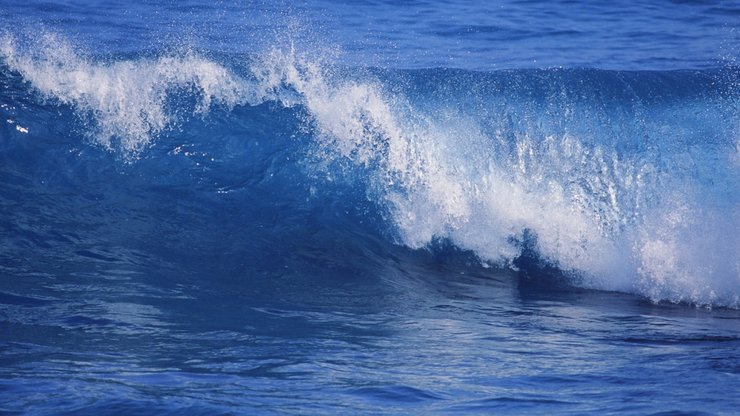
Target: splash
<point>125,101</point>
<point>659,223</point>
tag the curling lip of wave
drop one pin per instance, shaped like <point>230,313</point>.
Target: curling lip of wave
<point>611,220</point>
<point>125,102</point>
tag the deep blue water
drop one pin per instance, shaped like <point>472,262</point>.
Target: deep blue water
<point>369,207</point>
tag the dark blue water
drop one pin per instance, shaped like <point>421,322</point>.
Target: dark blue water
<point>369,207</point>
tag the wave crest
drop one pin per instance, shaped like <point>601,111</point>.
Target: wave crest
<point>125,101</point>
<point>654,220</point>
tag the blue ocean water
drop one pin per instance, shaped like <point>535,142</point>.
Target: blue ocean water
<point>372,207</point>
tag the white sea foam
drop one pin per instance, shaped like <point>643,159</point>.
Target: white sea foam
<point>124,100</point>
<point>614,222</point>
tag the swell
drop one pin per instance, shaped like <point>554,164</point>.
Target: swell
<point>620,180</point>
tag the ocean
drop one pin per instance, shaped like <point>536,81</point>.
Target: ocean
<point>369,207</point>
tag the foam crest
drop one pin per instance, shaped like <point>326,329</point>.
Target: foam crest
<point>441,178</point>
<point>610,221</point>
<point>125,101</point>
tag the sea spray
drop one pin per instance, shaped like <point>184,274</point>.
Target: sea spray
<point>123,101</point>
<point>610,218</point>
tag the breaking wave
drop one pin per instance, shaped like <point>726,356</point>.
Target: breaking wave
<point>621,180</point>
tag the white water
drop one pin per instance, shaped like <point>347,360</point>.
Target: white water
<point>126,100</point>
<point>612,222</point>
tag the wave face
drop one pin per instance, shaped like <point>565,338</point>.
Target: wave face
<point>619,180</point>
